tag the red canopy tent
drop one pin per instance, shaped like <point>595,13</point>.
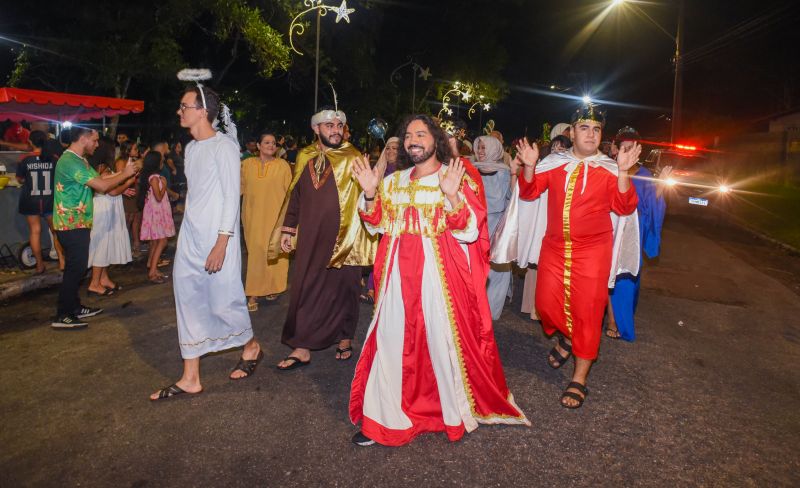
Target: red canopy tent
<point>18,104</point>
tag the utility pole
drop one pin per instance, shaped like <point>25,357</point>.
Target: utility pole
<point>677,89</point>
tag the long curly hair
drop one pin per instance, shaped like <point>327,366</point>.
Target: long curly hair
<point>440,140</point>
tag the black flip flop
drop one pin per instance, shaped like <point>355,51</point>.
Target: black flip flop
<point>248,365</point>
<point>297,363</point>
<point>342,351</point>
<point>366,298</point>
<point>107,292</point>
<point>173,391</point>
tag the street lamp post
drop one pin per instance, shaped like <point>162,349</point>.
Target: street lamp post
<point>297,27</point>
<point>423,73</point>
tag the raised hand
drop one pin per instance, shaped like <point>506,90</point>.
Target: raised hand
<point>527,153</point>
<point>368,178</point>
<point>628,156</point>
<point>665,173</point>
<point>450,181</point>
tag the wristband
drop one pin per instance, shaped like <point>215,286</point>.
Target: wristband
<point>369,199</point>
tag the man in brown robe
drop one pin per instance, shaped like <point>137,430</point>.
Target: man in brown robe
<point>331,245</point>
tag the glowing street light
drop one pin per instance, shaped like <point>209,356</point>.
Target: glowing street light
<point>617,2</point>
<point>587,100</point>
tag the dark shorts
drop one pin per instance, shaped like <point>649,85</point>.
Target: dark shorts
<point>30,206</point>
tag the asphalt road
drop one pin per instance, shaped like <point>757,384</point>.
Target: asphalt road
<point>707,396</point>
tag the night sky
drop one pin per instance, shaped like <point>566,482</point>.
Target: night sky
<point>523,46</point>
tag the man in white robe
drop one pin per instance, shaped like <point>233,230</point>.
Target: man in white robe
<point>209,296</point>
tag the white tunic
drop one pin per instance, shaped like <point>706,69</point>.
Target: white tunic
<point>211,308</point>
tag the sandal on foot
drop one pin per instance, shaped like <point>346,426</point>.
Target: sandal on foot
<point>342,351</point>
<point>273,297</point>
<point>613,333</point>
<point>107,292</point>
<point>571,394</point>
<point>296,363</point>
<point>252,306</point>
<point>163,262</point>
<point>159,280</point>
<point>248,365</point>
<point>171,391</point>
<point>366,298</point>
<point>557,359</point>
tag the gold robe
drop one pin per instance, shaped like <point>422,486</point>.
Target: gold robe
<point>354,245</point>
<point>263,191</point>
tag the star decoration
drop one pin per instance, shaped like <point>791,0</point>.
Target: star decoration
<point>486,106</point>
<point>466,96</point>
<point>342,12</point>
<point>425,73</point>
<point>449,111</point>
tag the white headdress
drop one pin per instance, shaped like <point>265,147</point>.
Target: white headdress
<point>324,116</point>
<point>558,130</point>
<point>198,75</point>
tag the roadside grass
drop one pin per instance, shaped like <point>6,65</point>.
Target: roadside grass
<point>771,209</point>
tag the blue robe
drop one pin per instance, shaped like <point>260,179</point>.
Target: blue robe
<point>625,294</point>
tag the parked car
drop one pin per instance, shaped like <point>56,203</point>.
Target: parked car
<point>696,186</point>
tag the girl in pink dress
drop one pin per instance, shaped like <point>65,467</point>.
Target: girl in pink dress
<point>157,223</point>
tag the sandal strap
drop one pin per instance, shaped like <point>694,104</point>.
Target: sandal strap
<point>558,359</point>
<point>249,365</point>
<point>344,350</point>
<point>581,388</point>
<point>574,396</point>
<point>562,341</point>
<point>169,391</point>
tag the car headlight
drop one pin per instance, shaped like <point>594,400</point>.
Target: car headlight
<point>724,189</point>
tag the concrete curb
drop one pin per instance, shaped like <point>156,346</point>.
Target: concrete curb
<point>15,288</point>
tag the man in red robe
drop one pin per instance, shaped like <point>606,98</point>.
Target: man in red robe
<point>429,362</point>
<point>583,187</point>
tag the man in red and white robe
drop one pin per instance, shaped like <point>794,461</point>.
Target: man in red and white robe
<point>586,199</point>
<point>429,362</point>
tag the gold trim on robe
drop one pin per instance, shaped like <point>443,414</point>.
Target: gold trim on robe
<point>354,245</point>
<point>568,247</point>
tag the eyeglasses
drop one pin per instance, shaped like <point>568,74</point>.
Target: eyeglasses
<point>182,107</point>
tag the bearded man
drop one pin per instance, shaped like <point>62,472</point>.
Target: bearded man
<point>321,224</point>
<point>430,362</point>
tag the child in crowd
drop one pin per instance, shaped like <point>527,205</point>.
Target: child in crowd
<point>157,223</point>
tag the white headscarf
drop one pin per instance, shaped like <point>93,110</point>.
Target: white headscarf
<point>493,160</point>
<point>382,161</point>
<point>558,130</point>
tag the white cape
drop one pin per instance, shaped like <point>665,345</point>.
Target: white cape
<point>519,234</point>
